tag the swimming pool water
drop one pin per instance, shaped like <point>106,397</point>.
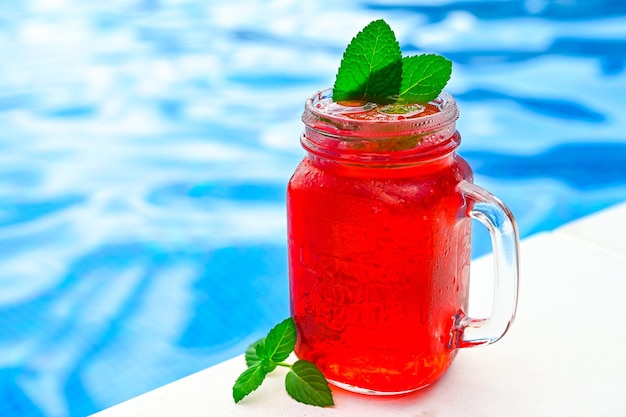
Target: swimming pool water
<point>145,147</point>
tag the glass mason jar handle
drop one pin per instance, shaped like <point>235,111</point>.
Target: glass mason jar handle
<point>497,218</point>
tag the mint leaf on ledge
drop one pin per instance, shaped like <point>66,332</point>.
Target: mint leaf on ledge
<point>252,358</point>
<point>248,381</point>
<point>306,384</point>
<point>280,341</point>
<point>255,355</point>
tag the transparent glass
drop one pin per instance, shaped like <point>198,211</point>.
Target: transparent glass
<point>379,228</point>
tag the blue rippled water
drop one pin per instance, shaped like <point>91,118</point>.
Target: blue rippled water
<point>145,146</point>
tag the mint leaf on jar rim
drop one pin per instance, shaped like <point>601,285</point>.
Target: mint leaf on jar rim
<point>306,384</point>
<point>371,67</point>
<point>423,77</point>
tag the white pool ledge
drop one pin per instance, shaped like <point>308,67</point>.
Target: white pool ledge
<point>565,355</point>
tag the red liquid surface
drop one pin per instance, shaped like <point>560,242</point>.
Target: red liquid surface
<point>379,266</point>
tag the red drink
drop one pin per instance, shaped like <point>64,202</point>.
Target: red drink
<point>379,246</point>
<point>379,265</point>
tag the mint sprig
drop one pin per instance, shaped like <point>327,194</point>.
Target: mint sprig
<point>372,69</point>
<point>304,382</point>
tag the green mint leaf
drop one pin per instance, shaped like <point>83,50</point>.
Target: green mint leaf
<point>423,77</point>
<point>371,67</point>
<point>256,355</point>
<point>252,357</point>
<point>306,384</point>
<point>280,341</point>
<point>248,381</point>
